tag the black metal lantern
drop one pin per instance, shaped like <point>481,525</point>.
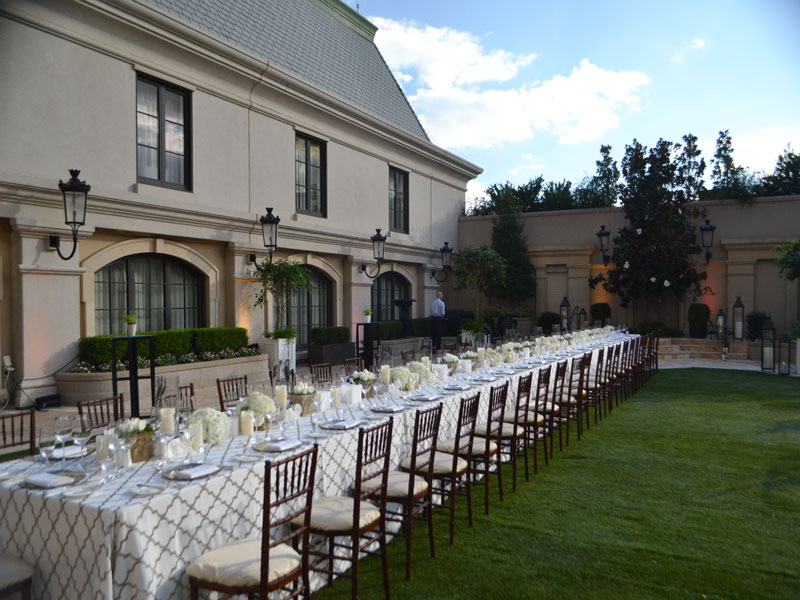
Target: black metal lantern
<point>738,320</point>
<point>563,311</point>
<point>721,323</point>
<point>378,244</point>
<point>583,318</point>
<point>604,235</point>
<point>447,258</point>
<point>75,194</point>
<point>783,355</point>
<point>269,231</point>
<point>768,347</point>
<point>707,238</point>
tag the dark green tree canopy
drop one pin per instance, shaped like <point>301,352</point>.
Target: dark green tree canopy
<point>509,243</point>
<point>480,269</point>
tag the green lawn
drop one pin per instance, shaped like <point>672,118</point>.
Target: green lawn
<point>691,489</point>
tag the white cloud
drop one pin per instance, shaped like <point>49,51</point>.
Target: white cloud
<point>697,44</point>
<point>677,58</point>
<point>757,150</point>
<point>527,156</point>
<point>475,192</point>
<point>458,102</point>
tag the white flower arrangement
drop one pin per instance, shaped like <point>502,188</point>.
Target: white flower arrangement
<point>652,280</point>
<point>469,354</point>
<point>405,378</point>
<point>626,266</point>
<point>365,375</point>
<point>216,424</point>
<point>303,388</point>
<point>260,404</point>
<point>449,358</point>
<point>132,426</point>
<point>425,374</point>
<point>666,283</point>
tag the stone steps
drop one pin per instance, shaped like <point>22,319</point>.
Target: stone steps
<point>688,348</point>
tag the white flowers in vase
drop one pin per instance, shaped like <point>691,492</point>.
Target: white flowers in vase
<point>302,388</point>
<point>260,404</point>
<point>363,376</point>
<point>216,424</point>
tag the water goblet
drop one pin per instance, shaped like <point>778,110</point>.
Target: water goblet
<point>81,432</point>
<point>316,415</point>
<point>47,445</point>
<point>63,434</point>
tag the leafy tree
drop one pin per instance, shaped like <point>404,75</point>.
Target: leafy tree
<point>509,243</point>
<point>281,279</point>
<point>786,177</point>
<point>789,262</point>
<point>528,194</point>
<point>557,196</point>
<point>730,180</point>
<point>480,269</point>
<point>690,169</point>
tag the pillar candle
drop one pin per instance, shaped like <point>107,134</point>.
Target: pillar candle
<point>481,354</point>
<point>426,361</point>
<point>386,374</point>
<point>280,396</point>
<point>197,435</point>
<point>167,420</point>
<point>246,422</point>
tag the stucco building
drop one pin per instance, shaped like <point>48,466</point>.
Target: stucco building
<point>188,118</point>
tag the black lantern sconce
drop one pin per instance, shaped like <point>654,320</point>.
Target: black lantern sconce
<point>269,232</point>
<point>378,244</point>
<point>76,195</point>
<point>722,319</point>
<point>447,265</point>
<point>783,355</point>
<point>768,347</point>
<point>738,320</point>
<point>583,318</point>
<point>604,235</point>
<point>563,311</point>
<point>707,238</point>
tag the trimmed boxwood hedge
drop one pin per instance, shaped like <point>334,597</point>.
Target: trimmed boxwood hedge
<point>322,336</point>
<point>96,350</point>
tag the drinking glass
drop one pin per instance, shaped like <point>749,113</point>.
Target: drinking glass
<point>63,434</point>
<point>108,461</point>
<point>81,432</point>
<point>270,417</point>
<point>316,414</point>
<point>46,445</point>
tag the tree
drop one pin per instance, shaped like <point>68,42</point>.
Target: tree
<point>786,177</point>
<point>480,269</point>
<point>281,279</point>
<point>557,196</point>
<point>690,169</point>
<point>730,180</point>
<point>789,262</point>
<point>509,243</point>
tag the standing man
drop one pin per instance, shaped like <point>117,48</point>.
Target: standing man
<point>437,321</point>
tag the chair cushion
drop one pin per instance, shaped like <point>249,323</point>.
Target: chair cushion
<point>570,399</point>
<point>547,408</point>
<point>238,564</point>
<point>478,447</point>
<point>509,431</point>
<point>525,418</point>
<point>335,513</point>
<point>13,570</point>
<point>397,484</point>
<point>442,464</point>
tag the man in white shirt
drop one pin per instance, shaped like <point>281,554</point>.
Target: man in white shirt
<point>437,320</point>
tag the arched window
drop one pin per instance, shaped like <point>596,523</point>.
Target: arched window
<point>310,309</point>
<point>387,288</point>
<point>163,292</point>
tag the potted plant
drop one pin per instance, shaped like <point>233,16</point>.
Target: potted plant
<point>367,315</point>
<point>698,317</point>
<point>601,311</point>
<point>330,345</point>
<point>280,279</point>
<point>130,321</point>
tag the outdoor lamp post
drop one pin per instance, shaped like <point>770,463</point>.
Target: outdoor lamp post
<point>76,195</point>
<point>378,243</point>
<point>707,238</point>
<point>447,258</point>
<point>604,235</point>
<point>269,231</point>
<point>768,347</point>
<point>721,318</point>
<point>563,311</point>
<point>783,355</point>
<point>738,320</point>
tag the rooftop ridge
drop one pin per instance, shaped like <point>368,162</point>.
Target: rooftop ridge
<point>349,17</point>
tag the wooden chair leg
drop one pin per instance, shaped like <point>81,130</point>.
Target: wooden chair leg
<point>354,573</point>
<point>499,475</point>
<point>330,560</point>
<point>429,512</point>
<point>513,464</point>
<point>408,517</point>
<point>385,563</point>
<point>525,457</point>
<point>469,497</point>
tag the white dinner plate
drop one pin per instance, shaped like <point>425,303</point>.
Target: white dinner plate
<point>148,489</point>
<point>247,458</point>
<point>81,491</point>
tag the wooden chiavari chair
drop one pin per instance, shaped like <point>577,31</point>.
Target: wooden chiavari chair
<point>230,390</point>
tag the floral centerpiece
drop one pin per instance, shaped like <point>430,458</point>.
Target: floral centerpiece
<point>405,378</point>
<point>424,372</point>
<point>216,424</point>
<point>260,404</point>
<point>451,360</point>
<point>366,378</point>
<point>140,433</point>
<point>303,394</point>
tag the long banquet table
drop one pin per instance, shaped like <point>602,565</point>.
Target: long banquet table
<point>115,545</point>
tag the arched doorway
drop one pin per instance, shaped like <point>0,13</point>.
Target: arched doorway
<point>387,288</point>
<point>314,308</point>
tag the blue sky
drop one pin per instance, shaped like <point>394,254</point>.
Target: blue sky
<point>529,88</point>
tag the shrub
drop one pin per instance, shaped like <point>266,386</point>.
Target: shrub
<point>421,326</point>
<point>322,336</point>
<point>601,311</point>
<point>547,319</point>
<point>495,312</point>
<point>477,326</point>
<point>284,332</point>
<point>658,328</point>
<point>390,330</point>
<point>698,313</point>
<point>755,323</point>
<point>454,320</point>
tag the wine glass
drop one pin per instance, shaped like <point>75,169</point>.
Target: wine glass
<point>46,445</point>
<point>108,459</point>
<point>316,414</point>
<point>63,434</point>
<point>81,432</point>
<point>270,417</point>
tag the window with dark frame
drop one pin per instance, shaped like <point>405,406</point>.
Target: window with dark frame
<point>387,288</point>
<point>309,157</point>
<point>163,134</point>
<point>163,292</point>
<point>398,200</point>
<point>308,309</point>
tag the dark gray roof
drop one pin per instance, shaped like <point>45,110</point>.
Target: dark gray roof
<point>307,40</point>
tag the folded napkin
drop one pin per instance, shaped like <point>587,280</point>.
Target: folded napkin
<point>279,446</point>
<point>504,371</point>
<point>485,379</point>
<point>426,397</point>
<point>48,480</point>
<point>196,472</point>
<point>457,386</point>
<point>341,425</point>
<point>68,452</point>
<point>388,409</point>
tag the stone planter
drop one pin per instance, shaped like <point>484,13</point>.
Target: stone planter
<point>283,350</point>
<point>76,387</point>
<point>331,353</point>
<point>141,448</point>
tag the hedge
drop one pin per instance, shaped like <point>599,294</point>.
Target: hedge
<point>657,327</point>
<point>601,311</point>
<point>698,313</point>
<point>547,320</point>
<point>322,336</point>
<point>96,350</point>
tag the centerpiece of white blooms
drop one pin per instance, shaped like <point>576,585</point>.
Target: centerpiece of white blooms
<point>303,394</point>
<point>424,372</point>
<point>260,404</point>
<point>216,424</point>
<point>405,378</point>
<point>451,360</point>
<point>140,435</point>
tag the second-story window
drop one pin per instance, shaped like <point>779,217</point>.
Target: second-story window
<point>309,188</point>
<point>398,200</point>
<point>163,134</point>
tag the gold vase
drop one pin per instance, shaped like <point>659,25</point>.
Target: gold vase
<point>141,449</point>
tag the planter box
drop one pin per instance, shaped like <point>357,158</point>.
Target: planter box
<point>76,387</point>
<point>525,325</point>
<point>331,353</point>
<point>283,350</point>
<point>697,330</point>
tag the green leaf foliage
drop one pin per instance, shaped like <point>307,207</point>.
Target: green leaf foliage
<point>509,243</point>
<point>322,336</point>
<point>601,311</point>
<point>547,319</point>
<point>481,270</point>
<point>698,313</point>
<point>789,262</point>
<point>280,279</point>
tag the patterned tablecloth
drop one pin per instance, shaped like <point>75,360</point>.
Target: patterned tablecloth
<point>115,545</point>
